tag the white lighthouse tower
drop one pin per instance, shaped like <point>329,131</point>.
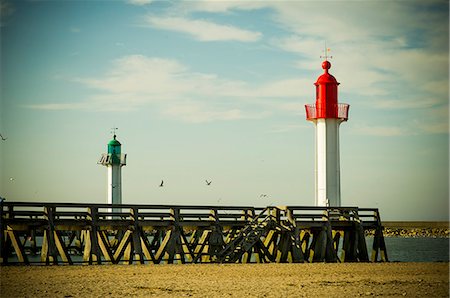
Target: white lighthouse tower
<point>114,160</point>
<point>327,114</point>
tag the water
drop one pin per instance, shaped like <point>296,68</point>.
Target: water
<point>415,249</point>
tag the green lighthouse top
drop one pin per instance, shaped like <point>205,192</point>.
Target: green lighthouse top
<point>114,146</point>
<point>114,157</point>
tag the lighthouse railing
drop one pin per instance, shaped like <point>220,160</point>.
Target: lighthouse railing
<point>339,111</point>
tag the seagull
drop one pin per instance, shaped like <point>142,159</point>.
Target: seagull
<point>263,196</point>
<point>162,183</point>
<point>3,139</point>
<point>208,182</point>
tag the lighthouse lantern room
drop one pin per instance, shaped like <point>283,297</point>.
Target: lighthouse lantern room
<point>327,115</point>
<point>114,160</point>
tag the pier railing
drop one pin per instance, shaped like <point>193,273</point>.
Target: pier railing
<point>69,233</point>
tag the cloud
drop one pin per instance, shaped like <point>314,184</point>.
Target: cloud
<point>137,74</point>
<point>136,81</point>
<point>139,2</point>
<point>381,131</point>
<point>194,112</point>
<point>381,56</point>
<point>379,61</point>
<point>406,103</point>
<point>156,80</point>
<point>58,106</point>
<point>218,6</point>
<point>435,128</point>
<point>287,128</point>
<point>203,30</point>
<point>432,121</point>
<point>177,92</point>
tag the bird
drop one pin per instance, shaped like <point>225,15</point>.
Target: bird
<point>162,183</point>
<point>208,182</point>
<point>3,139</point>
<point>263,196</point>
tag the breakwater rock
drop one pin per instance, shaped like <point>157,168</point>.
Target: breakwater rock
<point>414,229</point>
<point>399,232</point>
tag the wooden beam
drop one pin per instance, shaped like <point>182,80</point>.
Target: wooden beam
<point>18,247</point>
<point>59,243</point>
<point>122,246</point>
<point>104,247</point>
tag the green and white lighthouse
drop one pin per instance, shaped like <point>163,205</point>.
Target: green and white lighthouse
<point>114,160</point>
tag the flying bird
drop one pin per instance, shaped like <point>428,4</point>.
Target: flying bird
<point>208,182</point>
<point>162,183</point>
<point>263,196</point>
<point>3,139</point>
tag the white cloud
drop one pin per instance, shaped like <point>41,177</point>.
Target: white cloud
<point>58,106</point>
<point>139,2</point>
<point>138,74</point>
<point>157,79</point>
<point>294,108</point>
<point>292,87</point>
<point>219,6</point>
<point>135,81</point>
<point>177,92</point>
<point>372,51</point>
<point>436,128</point>
<point>195,112</point>
<point>376,63</point>
<point>203,30</point>
<point>406,103</point>
<point>287,128</point>
<point>434,121</point>
<point>381,131</point>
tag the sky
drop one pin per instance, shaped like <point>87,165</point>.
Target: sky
<point>216,91</point>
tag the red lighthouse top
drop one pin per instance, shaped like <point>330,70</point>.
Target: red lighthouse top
<point>326,105</point>
<point>326,78</point>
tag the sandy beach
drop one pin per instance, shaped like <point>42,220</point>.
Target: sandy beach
<point>231,280</point>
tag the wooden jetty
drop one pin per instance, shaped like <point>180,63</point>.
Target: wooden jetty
<point>71,233</point>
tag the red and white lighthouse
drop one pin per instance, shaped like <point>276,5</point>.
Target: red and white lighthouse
<point>327,115</point>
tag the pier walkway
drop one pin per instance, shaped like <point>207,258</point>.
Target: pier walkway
<point>71,233</point>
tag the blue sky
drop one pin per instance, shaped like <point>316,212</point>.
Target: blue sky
<point>216,90</point>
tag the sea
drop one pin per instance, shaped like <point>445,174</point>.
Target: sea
<point>419,249</point>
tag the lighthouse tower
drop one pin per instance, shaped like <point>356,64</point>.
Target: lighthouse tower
<point>327,114</point>
<point>114,160</point>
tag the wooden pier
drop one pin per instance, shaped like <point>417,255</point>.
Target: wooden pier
<point>71,233</point>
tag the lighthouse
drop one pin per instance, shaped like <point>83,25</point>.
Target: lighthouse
<point>327,115</point>
<point>114,160</point>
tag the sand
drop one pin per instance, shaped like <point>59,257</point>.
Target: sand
<point>230,280</point>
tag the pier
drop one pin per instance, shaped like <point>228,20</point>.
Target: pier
<point>82,233</point>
